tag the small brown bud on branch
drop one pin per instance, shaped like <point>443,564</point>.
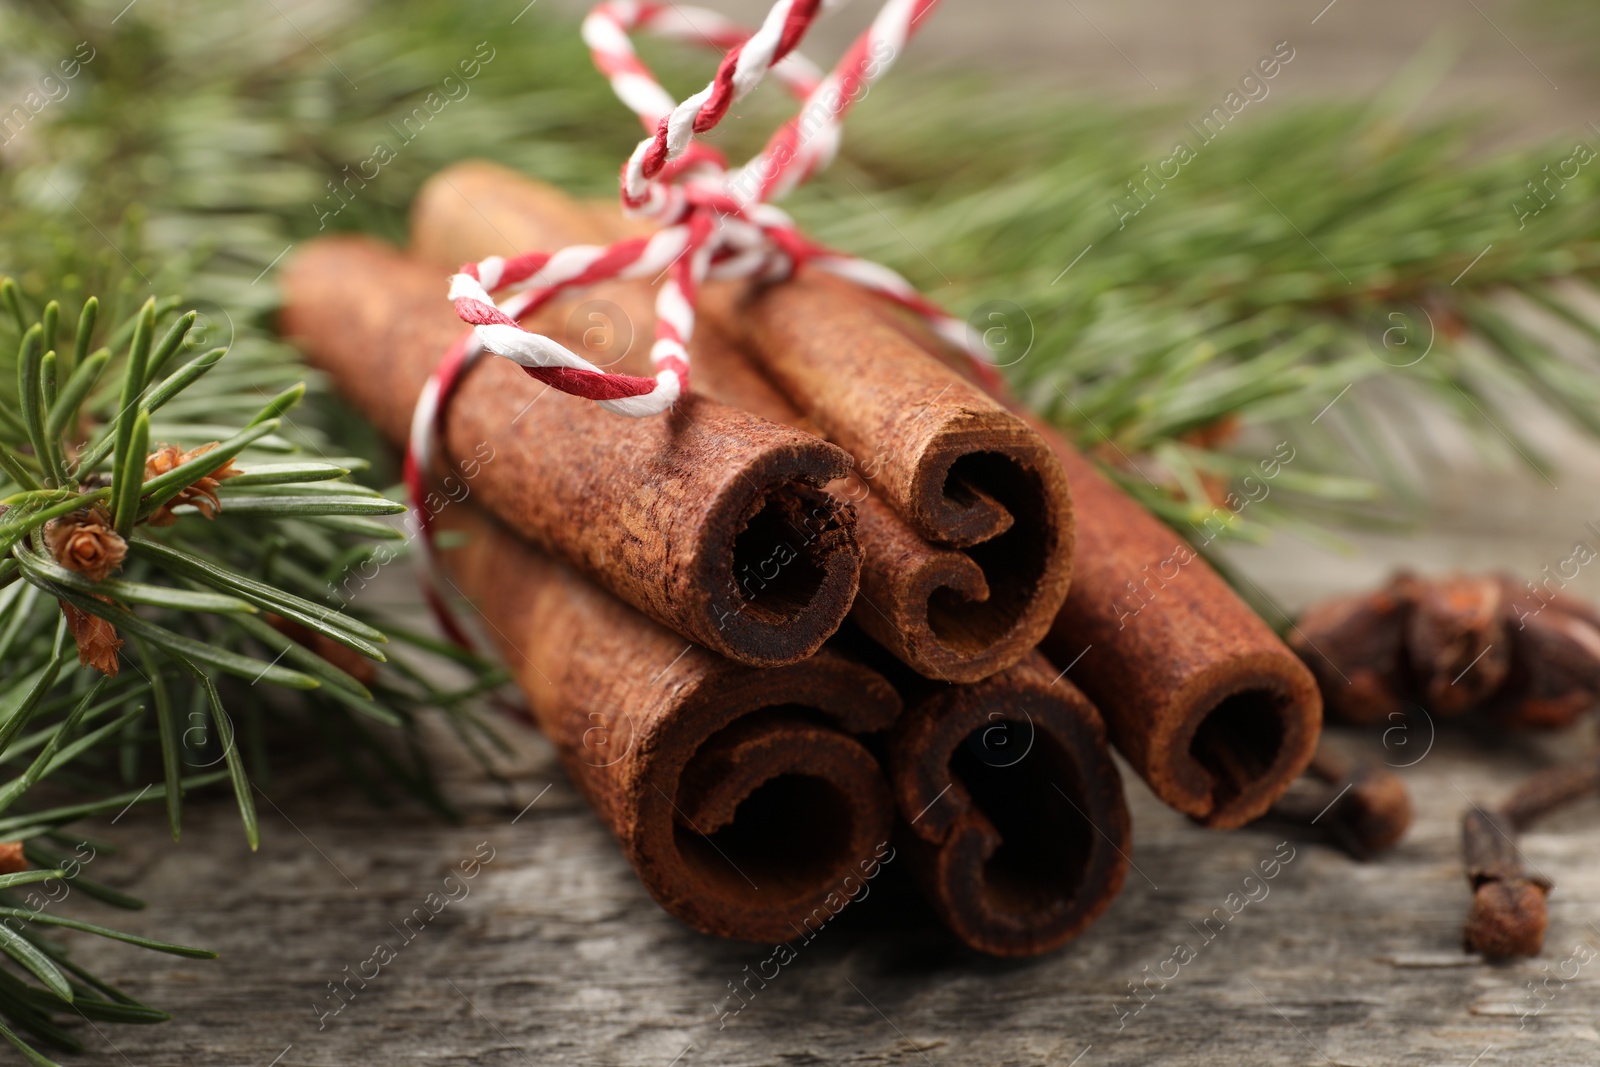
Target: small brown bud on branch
<point>98,642</point>
<point>202,492</point>
<point>85,542</point>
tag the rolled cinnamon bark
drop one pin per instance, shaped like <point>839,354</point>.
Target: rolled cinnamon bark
<point>1204,700</point>
<point>1016,824</point>
<point>963,513</point>
<point>1201,697</point>
<point>1213,711</point>
<point>985,560</point>
<point>738,795</point>
<point>686,516</point>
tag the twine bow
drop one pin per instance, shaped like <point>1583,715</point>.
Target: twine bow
<point>715,222</point>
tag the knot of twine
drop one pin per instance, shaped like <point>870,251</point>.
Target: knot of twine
<point>715,222</point>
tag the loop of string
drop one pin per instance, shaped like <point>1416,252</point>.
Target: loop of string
<point>715,222</point>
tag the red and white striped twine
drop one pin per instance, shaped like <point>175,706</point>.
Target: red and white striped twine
<point>715,222</point>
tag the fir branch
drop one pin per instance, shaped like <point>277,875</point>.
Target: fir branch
<point>67,570</point>
<point>1242,298</point>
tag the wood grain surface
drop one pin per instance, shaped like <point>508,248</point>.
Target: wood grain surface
<point>553,953</point>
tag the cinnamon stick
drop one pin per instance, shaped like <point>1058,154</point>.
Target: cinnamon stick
<point>1208,705</point>
<point>1201,697</point>
<point>963,513</point>
<point>738,795</point>
<point>709,520</point>
<point>1016,827</point>
<point>1212,710</point>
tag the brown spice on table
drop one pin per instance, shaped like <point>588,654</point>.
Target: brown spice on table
<point>1355,645</point>
<point>1015,823</point>
<point>686,516</point>
<point>1554,673</point>
<point>1454,644</point>
<point>961,498</point>
<point>1365,808</point>
<point>1509,914</point>
<point>962,511</point>
<point>739,795</point>
<point>1455,640</point>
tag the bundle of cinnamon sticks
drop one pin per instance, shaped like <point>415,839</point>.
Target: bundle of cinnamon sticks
<point>838,605</point>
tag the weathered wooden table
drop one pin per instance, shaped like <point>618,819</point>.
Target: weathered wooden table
<point>553,953</point>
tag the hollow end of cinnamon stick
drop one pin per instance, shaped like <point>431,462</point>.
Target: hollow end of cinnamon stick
<point>1013,810</point>
<point>962,612</point>
<point>970,555</point>
<point>778,814</point>
<point>970,582</point>
<point>778,564</point>
<point>1228,743</point>
<point>712,521</point>
<point>1211,709</point>
<point>741,797</point>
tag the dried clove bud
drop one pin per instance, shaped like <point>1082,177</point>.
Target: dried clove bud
<point>202,492</point>
<point>1509,914</point>
<point>1551,790</point>
<point>85,541</point>
<point>1365,809</point>
<point>1555,663</point>
<point>1455,640</point>
<point>1508,918</point>
<point>1355,647</point>
<point>1454,644</point>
